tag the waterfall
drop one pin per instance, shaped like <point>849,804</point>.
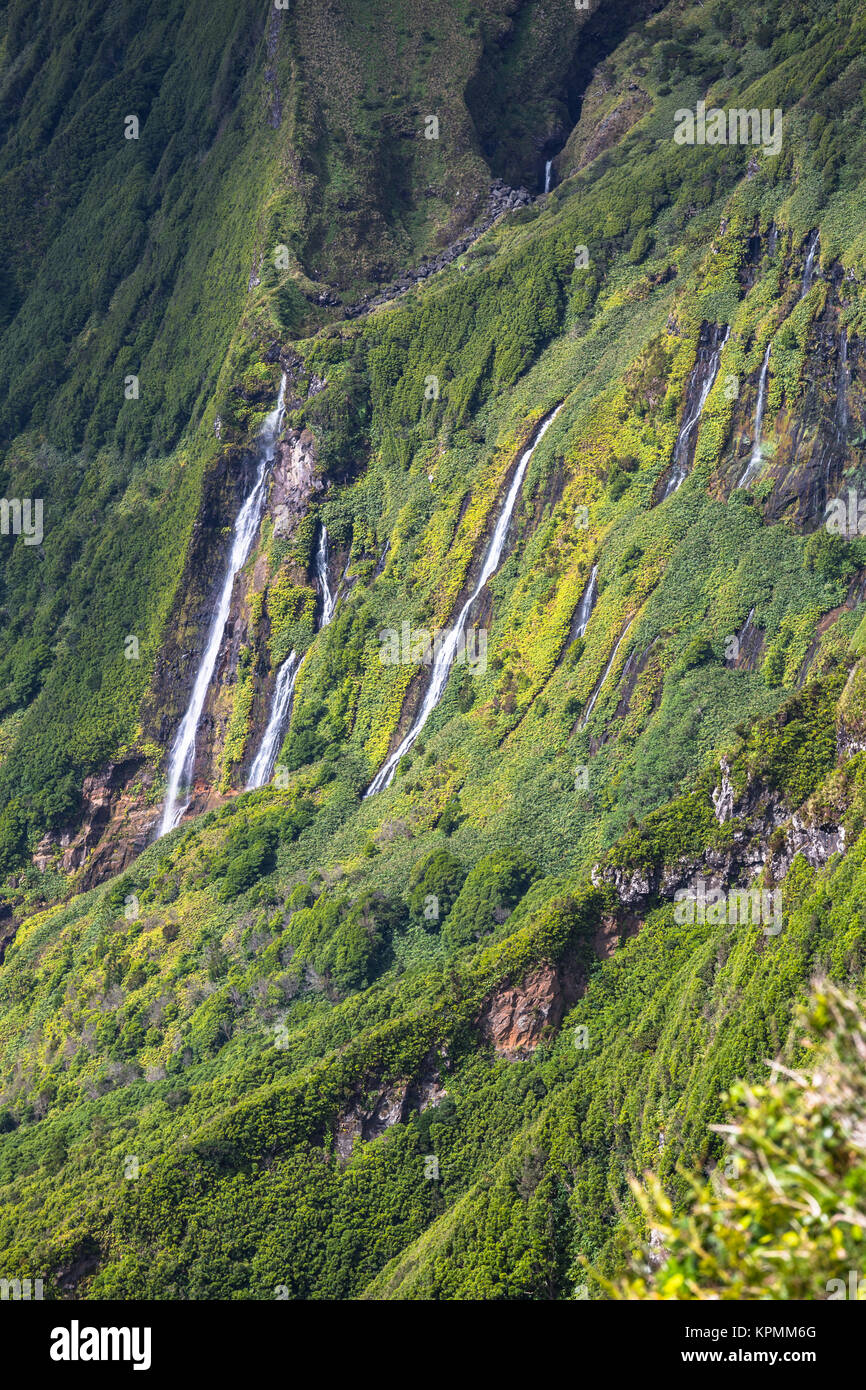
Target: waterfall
<point>605,673</point>
<point>755,457</point>
<point>447,650</point>
<point>284,690</point>
<point>585,607</point>
<point>182,757</point>
<point>739,641</point>
<point>808,268</point>
<point>329,595</point>
<point>548,170</point>
<point>380,563</point>
<point>284,687</point>
<point>705,371</point>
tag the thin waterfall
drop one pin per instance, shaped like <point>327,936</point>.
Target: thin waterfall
<point>447,650</point>
<point>329,595</point>
<point>284,687</point>
<point>704,373</point>
<point>756,457</point>
<point>809,267</point>
<point>604,675</point>
<point>741,635</point>
<point>284,692</point>
<point>380,563</point>
<point>586,605</point>
<point>182,757</point>
<point>548,173</point>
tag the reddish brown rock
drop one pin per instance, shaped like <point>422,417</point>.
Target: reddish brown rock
<point>115,826</point>
<point>515,1017</point>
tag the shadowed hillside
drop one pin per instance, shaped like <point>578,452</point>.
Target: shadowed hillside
<point>495,551</point>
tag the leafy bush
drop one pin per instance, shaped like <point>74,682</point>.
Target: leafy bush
<point>441,876</point>
<point>784,1214</point>
<point>493,887</point>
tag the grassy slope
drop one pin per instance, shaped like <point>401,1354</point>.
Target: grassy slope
<point>156,1037</point>
<point>155,257</point>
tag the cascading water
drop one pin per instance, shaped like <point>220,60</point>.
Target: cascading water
<point>284,688</point>
<point>447,650</point>
<point>741,635</point>
<point>329,595</point>
<point>703,375</point>
<point>605,673</point>
<point>586,605</point>
<point>284,692</point>
<point>548,172</point>
<point>809,267</point>
<point>756,457</point>
<point>182,757</point>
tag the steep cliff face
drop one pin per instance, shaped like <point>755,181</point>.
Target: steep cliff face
<point>517,1018</point>
<point>224,489</point>
<point>368,1116</point>
<point>410,1035</point>
<point>811,421</point>
<point>119,818</point>
<point>810,434</point>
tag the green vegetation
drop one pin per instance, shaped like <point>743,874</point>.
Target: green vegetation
<point>283,1009</point>
<point>784,1215</point>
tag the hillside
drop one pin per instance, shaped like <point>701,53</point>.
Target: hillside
<point>432,720</point>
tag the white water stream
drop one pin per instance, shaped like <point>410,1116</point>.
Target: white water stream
<point>284,688</point>
<point>681,448</point>
<point>606,672</point>
<point>586,605</point>
<point>756,457</point>
<point>447,650</point>
<point>809,267</point>
<point>182,756</point>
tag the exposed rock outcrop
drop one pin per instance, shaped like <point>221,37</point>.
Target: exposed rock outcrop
<point>367,1119</point>
<point>817,843</point>
<point>369,1115</point>
<point>723,795</point>
<point>810,437</point>
<point>116,825</point>
<point>501,199</point>
<point>294,481</point>
<point>517,1017</point>
<point>764,836</point>
<point>591,141</point>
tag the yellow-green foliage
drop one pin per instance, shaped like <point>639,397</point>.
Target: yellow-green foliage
<point>239,724</point>
<point>785,1214</point>
<point>248,1003</point>
<point>787,652</point>
<point>291,609</point>
<point>789,347</point>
